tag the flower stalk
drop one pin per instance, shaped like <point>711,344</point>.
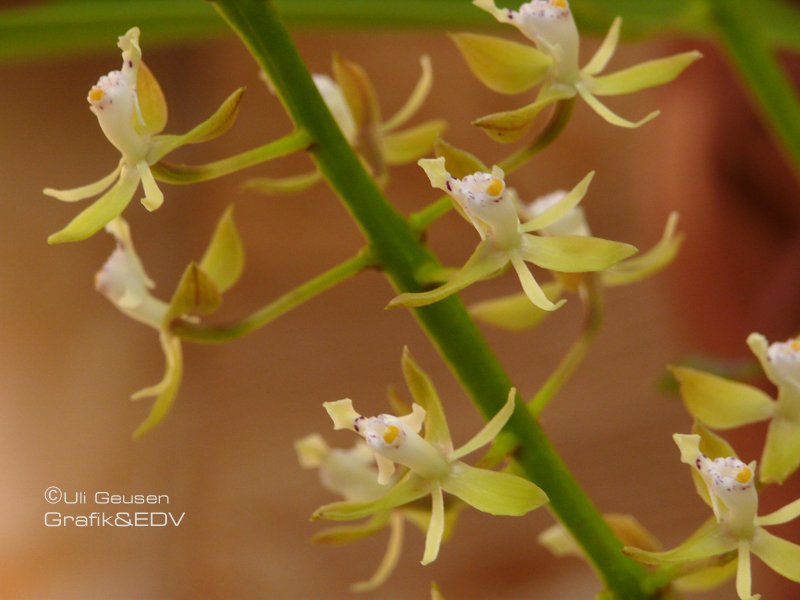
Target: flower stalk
<point>398,250</point>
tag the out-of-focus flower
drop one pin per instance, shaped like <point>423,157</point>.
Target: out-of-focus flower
<point>434,466</point>
<point>351,98</point>
<point>125,283</point>
<point>131,111</point>
<point>482,199</point>
<point>723,404</point>
<point>511,68</point>
<point>728,487</point>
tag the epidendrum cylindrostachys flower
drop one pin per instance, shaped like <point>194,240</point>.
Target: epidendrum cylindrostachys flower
<point>723,404</point>
<point>511,68</point>
<point>728,486</point>
<point>352,474</point>
<point>125,283</point>
<point>351,98</point>
<point>482,199</point>
<point>515,312</point>
<point>131,111</point>
<point>434,466</point>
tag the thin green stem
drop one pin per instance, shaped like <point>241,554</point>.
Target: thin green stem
<point>592,293</point>
<point>398,249</point>
<point>555,125</point>
<point>179,174</point>
<point>211,334</point>
<point>559,118</point>
<point>773,93</point>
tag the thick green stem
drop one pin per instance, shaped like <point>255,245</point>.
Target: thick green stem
<point>748,47</point>
<point>175,173</point>
<point>398,250</point>
<point>195,332</point>
<point>592,296</point>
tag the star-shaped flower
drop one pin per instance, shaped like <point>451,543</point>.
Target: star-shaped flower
<point>131,111</point>
<point>125,283</point>
<point>728,486</point>
<point>434,466</point>
<point>482,199</point>
<point>723,404</point>
<point>512,68</point>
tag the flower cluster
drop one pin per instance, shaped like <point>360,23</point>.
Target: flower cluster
<point>510,68</point>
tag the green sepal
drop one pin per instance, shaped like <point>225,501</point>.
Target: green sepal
<point>460,163</point>
<point>783,515</point>
<point>647,263</point>
<point>151,103</point>
<point>85,191</point>
<point>493,492</point>
<point>510,125</point>
<point>408,145</point>
<point>211,128</point>
<point>573,253</point>
<point>424,393</point>
<point>515,312</point>
<point>482,264</point>
<point>283,185</point>
<point>411,487</point>
<point>358,92</point>
<point>781,450</point>
<point>345,534</point>
<point>782,556</point>
<point>607,114</point>
<point>707,578</point>
<point>390,557</point>
<point>490,430</point>
<point>502,65</point>
<point>642,76</point>
<point>196,294</point>
<point>709,540</point>
<point>107,207</point>
<point>166,390</point>
<point>721,403</point>
<point>223,260</point>
<point>414,101</point>
<point>560,208</point>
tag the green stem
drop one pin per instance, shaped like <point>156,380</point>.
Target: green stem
<point>558,120</point>
<point>179,174</point>
<point>593,319</point>
<point>198,332</point>
<point>423,219</point>
<point>398,250</point>
<point>749,50</point>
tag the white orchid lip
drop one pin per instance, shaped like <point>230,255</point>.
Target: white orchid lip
<point>727,474</point>
<point>785,360</point>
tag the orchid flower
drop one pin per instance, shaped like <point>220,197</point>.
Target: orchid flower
<point>515,312</point>
<point>511,68</point>
<point>728,487</point>
<point>434,465</point>
<point>125,283</point>
<point>351,99</point>
<point>352,474</point>
<point>482,198</point>
<point>723,404</point>
<point>131,111</point>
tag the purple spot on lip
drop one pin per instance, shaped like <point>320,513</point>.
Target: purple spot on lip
<point>449,187</point>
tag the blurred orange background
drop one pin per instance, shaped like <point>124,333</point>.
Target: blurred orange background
<point>224,456</point>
